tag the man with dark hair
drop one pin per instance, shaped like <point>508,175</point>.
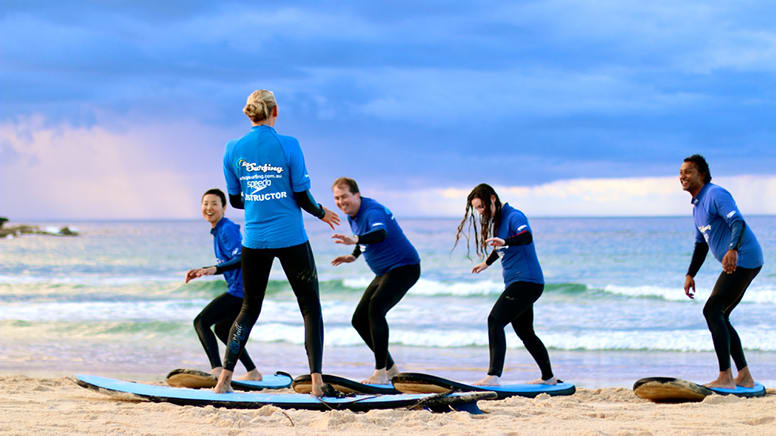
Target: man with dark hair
<point>392,258</point>
<point>721,228</point>
<point>221,312</point>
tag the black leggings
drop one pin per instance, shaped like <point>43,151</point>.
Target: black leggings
<point>220,313</point>
<point>380,296</point>
<point>515,305</point>
<point>299,266</point>
<point>726,295</point>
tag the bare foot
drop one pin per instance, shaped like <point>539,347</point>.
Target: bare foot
<point>744,378</point>
<point>216,371</point>
<point>316,390</point>
<point>489,380</point>
<point>550,381</point>
<point>393,371</point>
<point>379,377</point>
<point>253,375</point>
<point>224,385</point>
<point>725,380</point>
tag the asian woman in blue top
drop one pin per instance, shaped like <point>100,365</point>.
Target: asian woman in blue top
<point>221,312</point>
<point>719,226</point>
<point>506,229</point>
<point>266,175</point>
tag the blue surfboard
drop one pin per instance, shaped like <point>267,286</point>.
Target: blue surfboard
<point>674,390</point>
<point>196,379</point>
<point>412,382</point>
<point>249,400</point>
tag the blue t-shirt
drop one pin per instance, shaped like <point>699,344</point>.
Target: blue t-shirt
<point>227,245</point>
<point>714,211</point>
<point>395,250</point>
<point>266,168</point>
<point>519,262</point>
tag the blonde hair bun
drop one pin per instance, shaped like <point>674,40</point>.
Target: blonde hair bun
<point>259,105</point>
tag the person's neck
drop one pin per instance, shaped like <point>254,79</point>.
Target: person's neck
<point>696,191</point>
<point>268,122</point>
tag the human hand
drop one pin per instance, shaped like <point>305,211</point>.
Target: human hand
<point>191,275</point>
<point>343,259</point>
<point>689,282</point>
<point>495,242</point>
<point>729,261</point>
<point>330,218</point>
<point>199,272</point>
<point>339,238</point>
<point>480,267</point>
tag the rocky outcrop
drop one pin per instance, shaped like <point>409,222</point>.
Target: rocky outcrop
<point>23,229</point>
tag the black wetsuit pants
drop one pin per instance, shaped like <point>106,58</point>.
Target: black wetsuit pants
<point>726,295</point>
<point>379,297</point>
<point>220,315</point>
<point>515,306</point>
<point>298,264</point>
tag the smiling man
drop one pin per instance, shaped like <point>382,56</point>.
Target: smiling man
<point>721,227</point>
<point>392,258</point>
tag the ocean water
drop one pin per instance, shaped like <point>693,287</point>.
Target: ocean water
<point>112,301</point>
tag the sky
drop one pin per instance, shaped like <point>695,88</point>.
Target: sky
<point>121,109</point>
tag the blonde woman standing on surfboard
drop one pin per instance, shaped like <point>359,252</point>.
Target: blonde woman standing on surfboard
<point>266,175</point>
<point>506,229</point>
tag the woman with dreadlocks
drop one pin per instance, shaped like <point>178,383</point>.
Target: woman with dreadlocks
<point>506,229</point>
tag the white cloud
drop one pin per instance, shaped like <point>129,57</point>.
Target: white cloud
<point>647,196</point>
<point>155,171</point>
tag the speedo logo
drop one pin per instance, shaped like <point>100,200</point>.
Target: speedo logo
<point>251,166</point>
<point>258,185</point>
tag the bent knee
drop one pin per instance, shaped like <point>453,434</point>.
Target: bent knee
<point>712,311</point>
<point>496,322</point>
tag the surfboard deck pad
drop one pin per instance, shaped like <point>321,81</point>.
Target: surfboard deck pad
<point>674,390</point>
<point>253,400</point>
<point>196,379</point>
<point>412,382</point>
<point>303,385</point>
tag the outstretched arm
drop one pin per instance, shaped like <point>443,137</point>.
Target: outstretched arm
<point>373,237</point>
<point>306,201</point>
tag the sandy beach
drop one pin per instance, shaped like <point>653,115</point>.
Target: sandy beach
<point>38,405</point>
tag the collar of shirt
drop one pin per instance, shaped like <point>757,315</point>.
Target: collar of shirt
<point>219,224</point>
<point>697,198</point>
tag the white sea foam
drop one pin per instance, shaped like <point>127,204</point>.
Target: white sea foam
<point>427,287</point>
<point>671,340</point>
<point>754,294</point>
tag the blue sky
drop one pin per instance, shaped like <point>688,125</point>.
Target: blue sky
<point>120,109</point>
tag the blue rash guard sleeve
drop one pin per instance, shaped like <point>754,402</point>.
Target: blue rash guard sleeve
<point>736,235</point>
<point>300,180</point>
<point>306,201</point>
